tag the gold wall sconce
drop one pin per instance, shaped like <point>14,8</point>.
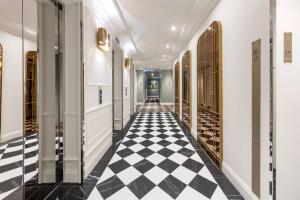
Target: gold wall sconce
<point>128,62</point>
<point>103,39</point>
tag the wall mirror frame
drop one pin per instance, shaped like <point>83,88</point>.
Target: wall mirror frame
<point>177,88</point>
<point>187,89</point>
<point>209,91</point>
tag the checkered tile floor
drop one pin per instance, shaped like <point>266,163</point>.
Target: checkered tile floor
<point>156,161</point>
<point>11,161</point>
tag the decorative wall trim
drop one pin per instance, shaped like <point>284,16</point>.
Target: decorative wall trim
<point>98,84</point>
<point>94,156</point>
<point>194,133</point>
<point>238,183</point>
<point>97,108</point>
<point>71,173</point>
<point>12,135</point>
<point>167,104</point>
<point>49,170</point>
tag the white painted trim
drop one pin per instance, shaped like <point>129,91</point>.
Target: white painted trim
<point>238,183</point>
<point>98,84</point>
<point>10,136</point>
<point>166,104</point>
<point>97,108</point>
<point>194,133</point>
<point>139,103</point>
<point>95,154</point>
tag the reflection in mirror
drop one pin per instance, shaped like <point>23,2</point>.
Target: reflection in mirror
<point>30,105</point>
<point>209,86</point>
<point>11,100</point>
<point>186,90</point>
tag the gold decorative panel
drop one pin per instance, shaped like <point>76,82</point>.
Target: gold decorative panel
<point>1,72</point>
<point>288,47</point>
<point>256,89</point>
<point>209,91</point>
<point>186,89</point>
<point>177,88</point>
<point>31,124</point>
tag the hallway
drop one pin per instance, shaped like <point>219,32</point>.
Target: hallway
<point>158,161</point>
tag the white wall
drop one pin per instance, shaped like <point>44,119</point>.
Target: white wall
<point>98,73</point>
<point>12,91</point>
<point>166,83</point>
<point>243,22</point>
<point>287,95</point>
<point>126,97</point>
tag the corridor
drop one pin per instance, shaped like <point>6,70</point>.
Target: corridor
<point>149,99</point>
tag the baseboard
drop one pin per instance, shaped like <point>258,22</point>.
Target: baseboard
<point>140,103</point>
<point>194,133</point>
<point>72,171</point>
<point>166,104</point>
<point>10,136</point>
<point>92,159</point>
<point>238,183</point>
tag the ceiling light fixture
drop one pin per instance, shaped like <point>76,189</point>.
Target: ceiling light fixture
<point>173,28</point>
<point>164,56</point>
<point>167,46</point>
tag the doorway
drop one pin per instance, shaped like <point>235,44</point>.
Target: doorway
<point>117,68</point>
<point>209,89</point>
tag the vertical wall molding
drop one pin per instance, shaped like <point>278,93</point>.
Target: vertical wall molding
<point>73,91</point>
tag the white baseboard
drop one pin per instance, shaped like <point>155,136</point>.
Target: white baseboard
<point>92,159</point>
<point>10,136</point>
<point>238,183</point>
<point>194,133</point>
<point>166,104</point>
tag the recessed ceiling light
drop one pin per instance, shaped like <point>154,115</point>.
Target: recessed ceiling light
<point>164,56</point>
<point>173,28</point>
<point>167,46</point>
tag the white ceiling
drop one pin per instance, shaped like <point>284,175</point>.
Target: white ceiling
<point>142,26</point>
<point>148,24</point>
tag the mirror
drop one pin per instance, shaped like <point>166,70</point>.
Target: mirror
<point>186,89</point>
<point>209,91</point>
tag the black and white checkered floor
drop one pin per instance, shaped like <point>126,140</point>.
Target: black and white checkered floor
<point>11,163</point>
<point>156,161</point>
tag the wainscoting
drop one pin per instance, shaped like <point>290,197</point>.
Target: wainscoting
<point>98,135</point>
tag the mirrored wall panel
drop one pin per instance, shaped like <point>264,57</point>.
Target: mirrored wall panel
<point>187,89</point>
<point>177,88</point>
<point>209,91</point>
<point>11,100</point>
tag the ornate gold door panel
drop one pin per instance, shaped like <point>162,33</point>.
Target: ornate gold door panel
<point>177,88</point>
<point>31,125</point>
<point>209,91</point>
<point>186,89</point>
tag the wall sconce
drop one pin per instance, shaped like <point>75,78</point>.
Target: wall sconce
<point>103,39</point>
<point>128,62</point>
